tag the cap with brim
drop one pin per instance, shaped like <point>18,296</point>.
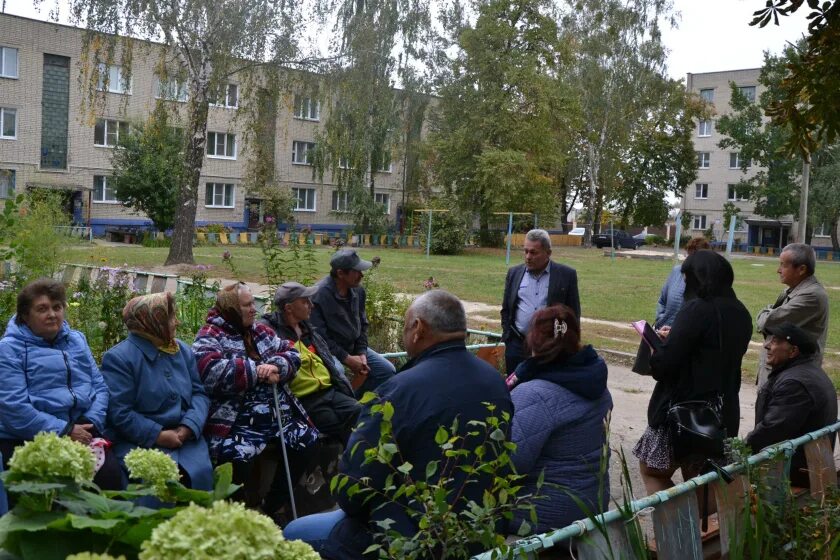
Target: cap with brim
<point>348,259</point>
<point>794,335</point>
<point>291,291</point>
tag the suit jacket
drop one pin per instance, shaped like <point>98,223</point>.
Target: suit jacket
<point>806,306</point>
<point>562,288</point>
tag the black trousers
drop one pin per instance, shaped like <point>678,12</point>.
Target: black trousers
<point>300,462</point>
<point>514,352</point>
<point>334,413</point>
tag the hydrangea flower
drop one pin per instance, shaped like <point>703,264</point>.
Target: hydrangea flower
<point>152,466</point>
<point>50,456</point>
<point>226,530</point>
<point>93,556</point>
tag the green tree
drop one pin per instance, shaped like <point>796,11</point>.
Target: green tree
<point>202,44</point>
<point>148,169</point>
<point>496,140</point>
<point>824,199</point>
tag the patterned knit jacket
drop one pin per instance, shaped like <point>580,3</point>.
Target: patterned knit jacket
<point>228,373</point>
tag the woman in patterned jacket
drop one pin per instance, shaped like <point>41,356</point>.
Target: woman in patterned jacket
<point>239,361</point>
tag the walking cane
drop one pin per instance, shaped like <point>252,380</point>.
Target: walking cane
<point>283,447</point>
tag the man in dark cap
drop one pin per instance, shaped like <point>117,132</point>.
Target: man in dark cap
<point>798,397</point>
<point>339,316</point>
<point>320,384</point>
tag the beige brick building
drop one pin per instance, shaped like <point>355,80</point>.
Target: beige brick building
<point>47,141</point>
<point>720,169</point>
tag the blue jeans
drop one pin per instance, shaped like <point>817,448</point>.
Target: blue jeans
<point>381,370</point>
<point>314,529</point>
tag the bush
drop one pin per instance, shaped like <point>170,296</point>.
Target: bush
<point>151,241</point>
<point>449,232</point>
<point>491,238</point>
<point>385,310</point>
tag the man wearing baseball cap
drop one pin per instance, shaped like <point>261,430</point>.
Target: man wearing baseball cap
<point>320,385</point>
<point>798,397</point>
<point>339,316</point>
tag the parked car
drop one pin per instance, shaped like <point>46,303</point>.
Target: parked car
<point>620,239</point>
<point>577,231</point>
<point>641,239</point>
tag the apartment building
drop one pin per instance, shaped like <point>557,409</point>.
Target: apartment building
<point>47,141</point>
<point>719,170</point>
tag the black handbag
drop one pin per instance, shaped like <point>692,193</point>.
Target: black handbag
<point>697,428</point>
<point>641,364</point>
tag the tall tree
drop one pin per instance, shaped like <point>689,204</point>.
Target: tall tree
<point>824,200</point>
<point>203,43</point>
<point>497,138</point>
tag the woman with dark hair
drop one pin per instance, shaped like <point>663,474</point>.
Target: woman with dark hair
<point>50,380</point>
<point>157,399</point>
<point>700,360</point>
<point>560,402</point>
<point>239,360</point>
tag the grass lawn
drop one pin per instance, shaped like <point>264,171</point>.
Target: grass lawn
<point>616,290</point>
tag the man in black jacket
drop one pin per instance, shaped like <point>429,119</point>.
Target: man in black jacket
<point>798,397</point>
<point>539,282</point>
<point>320,385</point>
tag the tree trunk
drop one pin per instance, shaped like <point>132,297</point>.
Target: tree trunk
<point>181,250</point>
<point>835,234</point>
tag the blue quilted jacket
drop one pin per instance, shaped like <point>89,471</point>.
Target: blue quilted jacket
<point>558,427</point>
<point>47,386</point>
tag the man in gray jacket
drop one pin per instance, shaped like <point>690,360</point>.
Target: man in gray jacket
<point>804,303</point>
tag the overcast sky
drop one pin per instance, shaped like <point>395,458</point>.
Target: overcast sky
<point>712,34</point>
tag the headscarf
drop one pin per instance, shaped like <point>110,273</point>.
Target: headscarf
<point>148,317</point>
<point>707,275</point>
<point>227,305</point>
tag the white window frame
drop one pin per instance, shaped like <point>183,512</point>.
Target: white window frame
<point>704,160</point>
<point>309,191</point>
<point>386,156</point>
<point>304,106</point>
<point>107,124</point>
<point>704,128</point>
<point>213,143</point>
<point>116,81</point>
<point>7,183</point>
<point>173,86</point>
<point>732,193</point>
<point>4,71</point>
<point>4,112</point>
<point>750,98</point>
<point>824,230</point>
<point>340,201</point>
<point>228,104</point>
<point>701,189</point>
<point>735,161</point>
<point>377,198</point>
<point>307,147</point>
<point>710,96</point>
<point>214,186</point>
<point>104,199</point>
<point>698,221</point>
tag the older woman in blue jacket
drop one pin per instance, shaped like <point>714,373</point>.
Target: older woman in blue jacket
<point>157,399</point>
<point>50,381</point>
<point>560,402</point>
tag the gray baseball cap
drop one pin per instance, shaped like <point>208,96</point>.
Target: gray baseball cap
<point>290,291</point>
<point>347,259</point>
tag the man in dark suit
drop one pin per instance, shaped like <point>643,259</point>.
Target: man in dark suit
<point>538,283</point>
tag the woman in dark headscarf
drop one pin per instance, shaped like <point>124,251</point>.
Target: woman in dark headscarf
<point>157,398</point>
<point>699,360</point>
<point>239,361</point>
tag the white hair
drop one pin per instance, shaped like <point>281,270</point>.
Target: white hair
<point>442,311</point>
<point>540,235</point>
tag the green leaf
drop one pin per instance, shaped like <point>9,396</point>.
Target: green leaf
<point>497,435</point>
<point>431,469</point>
<point>405,468</point>
<point>441,435</point>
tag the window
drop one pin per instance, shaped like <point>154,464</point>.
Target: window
<point>385,165</point>
<point>708,94</point>
<point>699,221</point>
<point>703,159</point>
<point>103,193</point>
<point>701,190</point>
<point>226,96</point>
<point>340,202</point>
<point>733,194</point>
<point>748,92</point>
<point>112,79</point>
<point>171,90</point>
<point>302,152</point>
<point>107,132</point>
<point>7,183</point>
<point>704,128</point>
<point>343,163</point>
<point>307,108</point>
<point>736,162</point>
<point>8,122</point>
<point>8,62</point>
<point>304,199</point>
<point>221,145</point>
<point>822,230</point>
<point>384,199</point>
<point>218,195</point>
